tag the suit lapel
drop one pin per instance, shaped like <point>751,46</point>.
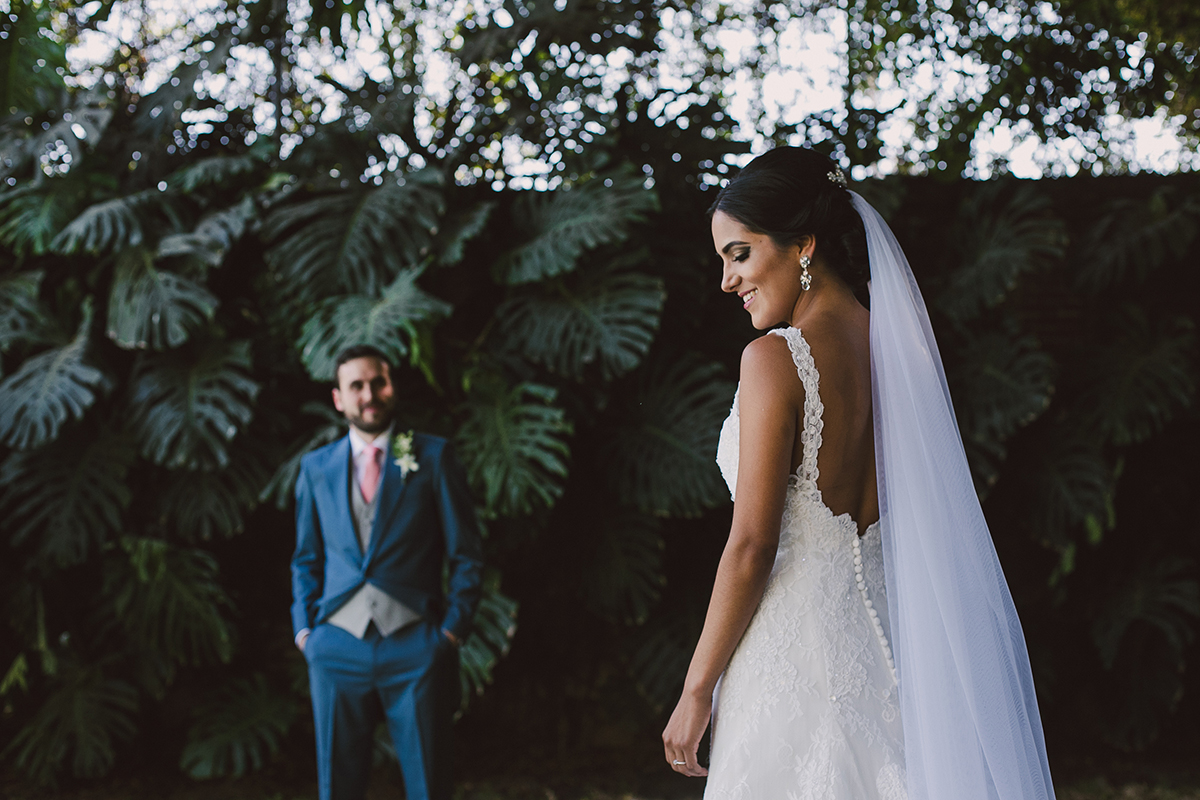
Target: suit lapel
<point>339,477</point>
<point>392,486</point>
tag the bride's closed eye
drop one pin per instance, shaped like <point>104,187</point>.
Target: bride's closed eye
<point>741,256</point>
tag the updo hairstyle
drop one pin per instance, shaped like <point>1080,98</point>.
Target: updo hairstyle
<point>786,193</point>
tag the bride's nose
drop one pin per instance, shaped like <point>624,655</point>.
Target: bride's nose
<point>729,281</point>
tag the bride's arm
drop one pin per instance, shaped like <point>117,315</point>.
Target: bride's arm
<point>769,400</point>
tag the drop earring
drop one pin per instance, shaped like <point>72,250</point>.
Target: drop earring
<point>805,276</point>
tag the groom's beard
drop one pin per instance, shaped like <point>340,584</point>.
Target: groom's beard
<point>375,426</point>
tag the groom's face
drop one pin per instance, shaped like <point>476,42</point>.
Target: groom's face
<point>364,394</point>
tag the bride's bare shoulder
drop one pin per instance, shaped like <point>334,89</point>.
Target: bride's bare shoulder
<point>767,365</point>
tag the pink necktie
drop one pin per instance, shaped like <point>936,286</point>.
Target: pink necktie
<point>370,473</point>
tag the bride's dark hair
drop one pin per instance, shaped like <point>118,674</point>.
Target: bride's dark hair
<point>787,193</point>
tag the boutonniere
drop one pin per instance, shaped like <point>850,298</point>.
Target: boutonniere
<point>402,453</point>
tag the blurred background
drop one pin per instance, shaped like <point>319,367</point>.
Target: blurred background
<point>202,202</point>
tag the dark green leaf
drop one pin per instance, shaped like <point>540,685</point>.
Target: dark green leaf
<point>493,628</point>
<point>458,229</point>
<point>153,308</point>
<point>282,485</point>
<point>185,411</point>
<point>1135,237</point>
<point>622,575</point>
<point>22,319</point>
<point>1162,595</point>
<point>213,236</point>
<point>387,322</point>
<point>110,225</point>
<point>202,504</point>
<point>607,316</point>
<point>48,389</point>
<point>237,729</point>
<point>31,216</point>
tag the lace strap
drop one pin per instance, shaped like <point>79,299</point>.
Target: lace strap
<point>806,368</point>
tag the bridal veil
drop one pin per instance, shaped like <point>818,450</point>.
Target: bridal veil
<point>971,724</point>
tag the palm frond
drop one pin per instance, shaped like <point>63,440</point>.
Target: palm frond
<point>214,171</point>
<point>388,322</point>
<point>68,497</point>
<point>111,225</point>
<point>185,412</point>
<point>78,727</point>
<point>237,729</point>
<point>212,237</point>
<point>661,447</point>
<point>154,308</point>
<point>1144,378</point>
<point>514,445</point>
<point>332,426</point>
<point>1003,381</point>
<point>1135,237</point>
<point>1071,482</point>
<point>494,626</point>
<point>607,316</point>
<point>1000,239</point>
<point>168,600</point>
<point>622,576</point>
<point>353,242</point>
<point>558,226</point>
<point>661,652</point>
<point>47,390</point>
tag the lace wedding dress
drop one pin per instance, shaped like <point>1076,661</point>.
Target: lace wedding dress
<point>808,705</point>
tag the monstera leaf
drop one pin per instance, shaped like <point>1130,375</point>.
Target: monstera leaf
<point>47,390</point>
<point>344,321</point>
<point>558,226</point>
<point>999,240</point>
<point>216,171</point>
<point>237,729</point>
<point>22,319</point>
<point>77,727</point>
<point>1070,483</point>
<point>494,626</point>
<point>112,225</point>
<point>1142,379</point>
<point>1134,237</point>
<point>203,504</point>
<point>212,237</point>
<point>67,497</point>
<point>185,412</point>
<point>153,308</point>
<point>662,649</point>
<point>354,241</point>
<point>1160,594</point>
<point>607,316</point>
<point>458,229</point>
<point>663,440</point>
<point>622,576</point>
<point>32,215</point>
<point>168,600</point>
<point>282,486</point>
<point>1002,381</point>
<point>514,445</point>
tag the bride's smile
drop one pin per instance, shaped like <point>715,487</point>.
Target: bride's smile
<point>765,276</point>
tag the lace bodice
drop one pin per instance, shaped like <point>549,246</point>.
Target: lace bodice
<point>807,707</point>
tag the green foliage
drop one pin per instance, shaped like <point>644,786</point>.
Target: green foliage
<point>356,242</point>
<point>606,315</point>
<point>198,505</point>
<point>213,237</point>
<point>78,726</point>
<point>237,729</point>
<point>185,413</point>
<point>492,630</point>
<point>622,579</point>
<point>22,319</point>
<point>111,225</point>
<point>154,308</point>
<point>1159,595</point>
<point>282,485</point>
<point>1070,483</point>
<point>1134,237</point>
<point>558,227</point>
<point>1144,378</point>
<point>168,600</point>
<point>67,498</point>
<point>340,322</point>
<point>659,455</point>
<point>513,443</point>
<point>31,216</point>
<point>47,390</point>
<point>1002,235</point>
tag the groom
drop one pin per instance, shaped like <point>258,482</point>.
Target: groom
<point>378,512</point>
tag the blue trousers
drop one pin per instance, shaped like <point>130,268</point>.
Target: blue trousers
<point>409,679</point>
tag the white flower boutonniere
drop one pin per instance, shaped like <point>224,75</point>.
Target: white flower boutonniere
<point>402,453</point>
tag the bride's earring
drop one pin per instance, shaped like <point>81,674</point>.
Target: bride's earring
<point>805,276</point>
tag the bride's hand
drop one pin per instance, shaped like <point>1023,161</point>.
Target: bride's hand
<point>681,739</point>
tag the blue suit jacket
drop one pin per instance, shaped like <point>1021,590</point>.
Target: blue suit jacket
<point>422,520</point>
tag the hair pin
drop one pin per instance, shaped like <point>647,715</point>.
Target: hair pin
<point>837,177</point>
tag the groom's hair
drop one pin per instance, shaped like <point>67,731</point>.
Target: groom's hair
<point>362,351</point>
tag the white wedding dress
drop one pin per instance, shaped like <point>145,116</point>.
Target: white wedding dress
<point>808,706</point>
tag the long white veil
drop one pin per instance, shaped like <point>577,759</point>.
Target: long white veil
<point>971,724</point>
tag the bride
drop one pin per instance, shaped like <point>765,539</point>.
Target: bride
<point>861,641</point>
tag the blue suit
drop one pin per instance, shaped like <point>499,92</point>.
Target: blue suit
<point>423,521</point>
